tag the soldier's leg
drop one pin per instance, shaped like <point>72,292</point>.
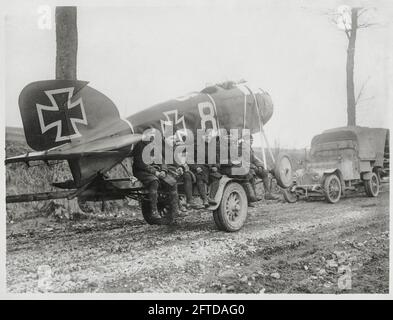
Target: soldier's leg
<point>188,188</point>
<point>153,197</point>
<point>264,175</point>
<point>202,189</point>
<point>249,186</point>
<point>214,183</point>
<point>187,178</point>
<point>204,179</point>
<point>254,187</point>
<point>173,211</point>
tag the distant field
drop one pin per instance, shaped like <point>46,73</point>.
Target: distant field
<point>14,134</point>
<point>16,142</point>
<point>296,155</point>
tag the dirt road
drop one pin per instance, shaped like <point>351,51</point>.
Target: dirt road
<point>307,247</point>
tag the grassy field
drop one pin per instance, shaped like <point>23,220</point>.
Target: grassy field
<point>38,177</point>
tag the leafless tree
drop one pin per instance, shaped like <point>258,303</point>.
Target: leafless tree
<point>66,52</point>
<point>66,43</point>
<point>350,21</point>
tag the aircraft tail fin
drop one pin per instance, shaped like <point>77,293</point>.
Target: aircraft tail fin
<point>55,112</point>
<point>76,122</point>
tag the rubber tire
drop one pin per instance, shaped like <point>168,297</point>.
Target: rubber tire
<point>283,184</point>
<point>146,211</point>
<point>84,207</point>
<point>289,196</point>
<point>368,186</point>
<point>326,184</point>
<point>217,220</point>
<point>220,216</point>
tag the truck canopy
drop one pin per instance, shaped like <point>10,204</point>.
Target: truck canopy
<point>370,143</point>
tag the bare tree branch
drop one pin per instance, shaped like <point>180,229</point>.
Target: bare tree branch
<point>362,10</point>
<point>347,33</point>
<point>346,30</point>
<point>361,90</point>
<point>366,25</point>
<point>332,18</point>
<point>365,99</point>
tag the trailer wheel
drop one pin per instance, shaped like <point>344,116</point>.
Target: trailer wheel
<point>372,186</point>
<point>289,196</point>
<point>146,211</point>
<point>84,207</point>
<point>332,187</point>
<point>232,212</point>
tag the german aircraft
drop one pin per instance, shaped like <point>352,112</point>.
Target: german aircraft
<point>69,120</point>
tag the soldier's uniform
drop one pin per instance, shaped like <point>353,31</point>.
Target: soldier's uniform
<point>208,173</point>
<point>152,176</point>
<point>199,174</point>
<point>257,169</point>
<point>189,178</point>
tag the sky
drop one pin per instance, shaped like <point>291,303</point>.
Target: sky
<point>148,52</point>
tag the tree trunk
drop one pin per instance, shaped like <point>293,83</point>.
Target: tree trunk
<point>351,102</point>
<point>66,43</point>
<point>66,51</point>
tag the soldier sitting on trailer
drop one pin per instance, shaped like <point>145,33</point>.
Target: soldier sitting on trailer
<point>152,176</point>
<point>228,166</point>
<point>195,173</point>
<point>209,173</point>
<point>257,169</point>
<point>188,178</point>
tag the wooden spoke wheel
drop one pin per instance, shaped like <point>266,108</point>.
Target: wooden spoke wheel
<point>232,212</point>
<point>372,186</point>
<point>332,187</point>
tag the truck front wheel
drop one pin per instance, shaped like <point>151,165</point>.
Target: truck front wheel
<point>332,187</point>
<point>231,214</point>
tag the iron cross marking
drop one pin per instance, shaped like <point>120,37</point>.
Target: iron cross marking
<point>63,114</point>
<point>174,126</point>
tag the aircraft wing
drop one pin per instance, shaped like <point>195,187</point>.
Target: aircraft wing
<point>102,147</point>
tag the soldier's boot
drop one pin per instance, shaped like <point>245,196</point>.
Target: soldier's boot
<point>188,187</point>
<point>214,186</point>
<point>154,216</point>
<point>191,204</point>
<point>268,193</point>
<point>173,212</point>
<point>211,201</point>
<point>270,196</point>
<point>254,187</point>
<point>250,192</point>
<point>182,209</point>
<point>203,193</point>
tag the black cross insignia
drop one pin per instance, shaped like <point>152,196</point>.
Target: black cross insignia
<point>63,114</point>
